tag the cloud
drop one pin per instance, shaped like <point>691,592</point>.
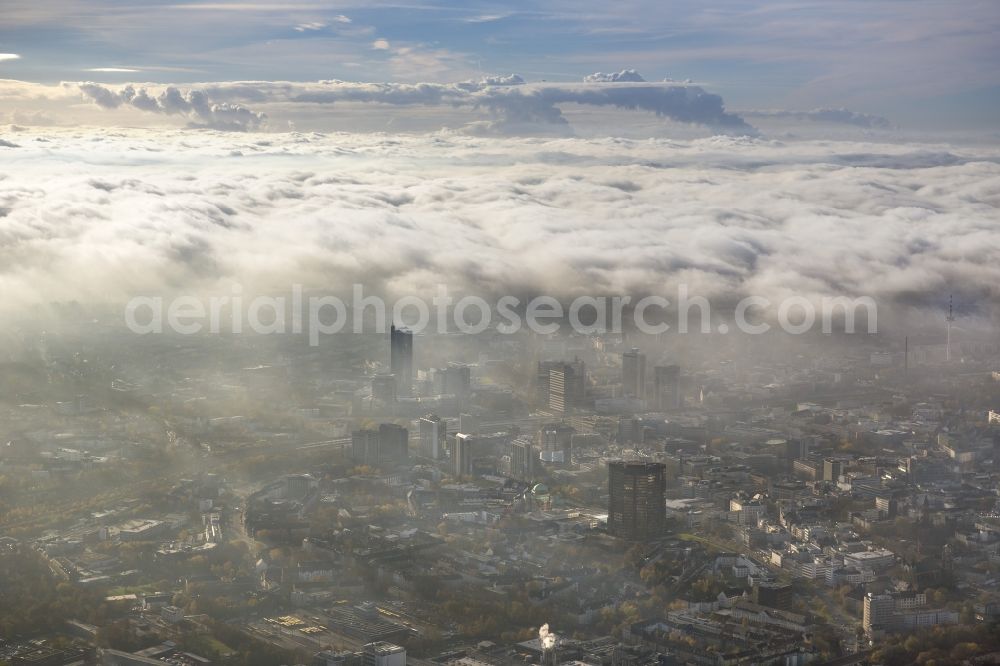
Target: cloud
<point>113,70</point>
<point>165,211</point>
<point>485,18</point>
<point>247,6</point>
<point>380,45</point>
<point>194,104</point>
<point>502,80</point>
<point>836,116</point>
<point>9,56</point>
<point>311,26</point>
<point>624,76</point>
<point>513,105</point>
<point>315,26</point>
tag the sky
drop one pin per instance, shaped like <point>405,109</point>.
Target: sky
<point>923,64</point>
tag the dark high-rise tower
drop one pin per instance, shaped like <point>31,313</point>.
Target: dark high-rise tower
<point>401,359</point>
<point>637,500</point>
<point>464,453</point>
<point>394,443</point>
<point>634,373</point>
<point>667,387</point>
<point>389,445</point>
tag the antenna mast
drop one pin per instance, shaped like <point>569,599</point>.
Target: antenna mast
<point>950,319</point>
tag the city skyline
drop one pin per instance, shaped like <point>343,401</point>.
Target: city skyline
<point>499,333</point>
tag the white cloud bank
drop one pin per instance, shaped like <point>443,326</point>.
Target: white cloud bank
<point>101,215</point>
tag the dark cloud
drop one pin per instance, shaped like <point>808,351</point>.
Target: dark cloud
<point>195,104</point>
<point>515,106</point>
<point>835,116</point>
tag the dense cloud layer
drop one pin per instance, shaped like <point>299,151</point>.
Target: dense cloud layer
<point>103,215</point>
<point>514,106</point>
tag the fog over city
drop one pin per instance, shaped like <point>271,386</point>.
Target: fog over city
<point>477,334</point>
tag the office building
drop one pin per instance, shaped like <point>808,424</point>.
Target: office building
<point>465,445</point>
<point>337,658</point>
<point>389,445</point>
<point>394,443</point>
<point>832,469</point>
<point>384,390</point>
<point>775,595</point>
<point>879,610</point>
<point>401,359</point>
<point>377,653</point>
<point>522,459</point>
<point>634,373</point>
<point>796,449</point>
<point>383,654</point>
<point>748,512</point>
<point>901,611</point>
<point>364,447</point>
<point>629,430</point>
<point>433,436</point>
<point>555,443</point>
<point>298,486</point>
<point>637,503</point>
<point>468,423</point>
<point>887,506</point>
<point>667,387</point>
<point>456,380</point>
<point>561,385</point>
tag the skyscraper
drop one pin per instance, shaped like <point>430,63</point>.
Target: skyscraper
<point>561,384</point>
<point>468,423</point>
<point>878,612</point>
<point>464,451</point>
<point>401,359</point>
<point>456,380</point>
<point>522,459</point>
<point>558,378</point>
<point>667,387</point>
<point>637,500</point>
<point>433,434</point>
<point>387,445</point>
<point>394,443</point>
<point>832,469</point>
<point>555,441</point>
<point>364,447</point>
<point>634,373</point>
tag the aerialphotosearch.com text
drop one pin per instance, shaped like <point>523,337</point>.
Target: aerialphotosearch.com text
<point>316,316</point>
